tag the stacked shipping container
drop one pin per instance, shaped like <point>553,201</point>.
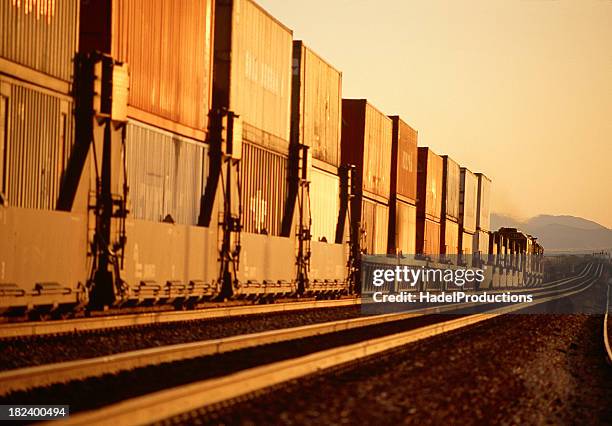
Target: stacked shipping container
<point>253,57</point>
<point>170,90</point>
<point>317,104</point>
<point>37,52</point>
<point>449,234</point>
<point>36,133</point>
<point>468,200</point>
<point>366,144</point>
<point>403,195</point>
<point>481,236</point>
<point>429,202</point>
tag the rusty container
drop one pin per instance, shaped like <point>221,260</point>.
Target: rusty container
<point>168,47</point>
<point>483,214</point>
<point>253,63</point>
<point>316,104</point>
<point>41,36</point>
<point>429,185</point>
<point>366,143</point>
<point>468,201</point>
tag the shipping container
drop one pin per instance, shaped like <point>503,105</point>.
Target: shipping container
<point>263,190</point>
<point>402,229</point>
<point>468,201</point>
<point>483,215</point>
<point>404,161</point>
<point>449,239</point>
<point>429,185</point>
<point>451,189</point>
<point>466,244</point>
<point>168,48</point>
<point>481,244</point>
<point>253,63</point>
<point>374,227</point>
<point>324,205</point>
<point>40,35</point>
<point>165,174</point>
<point>37,134</point>
<point>366,143</point>
<point>427,237</point>
<point>316,104</point>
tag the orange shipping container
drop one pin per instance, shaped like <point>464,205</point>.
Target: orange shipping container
<point>483,216</point>
<point>374,227</point>
<point>253,58</point>
<point>168,47</point>
<point>404,160</point>
<point>449,240</point>
<point>467,240</point>
<point>316,104</point>
<point>451,189</point>
<point>40,35</point>
<point>427,237</point>
<point>429,185</point>
<point>468,200</point>
<point>402,229</point>
<point>366,143</point>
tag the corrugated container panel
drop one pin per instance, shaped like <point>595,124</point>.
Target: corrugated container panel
<point>484,202</point>
<point>468,200</point>
<point>405,228</point>
<point>168,47</point>
<point>452,186</point>
<point>449,244</point>
<point>481,242</point>
<point>39,139</point>
<point>319,87</point>
<point>429,185</point>
<point>165,174</point>
<point>253,63</point>
<point>377,152</point>
<point>404,161</point>
<point>366,143</point>
<point>324,205</point>
<point>263,190</point>
<point>431,236</point>
<point>374,227</point>
<point>467,241</point>
<point>40,34</point>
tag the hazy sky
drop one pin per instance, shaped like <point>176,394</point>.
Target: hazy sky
<point>518,89</point>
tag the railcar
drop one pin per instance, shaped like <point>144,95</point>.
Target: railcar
<point>142,166</point>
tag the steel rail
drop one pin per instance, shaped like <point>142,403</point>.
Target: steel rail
<point>37,328</point>
<point>61,372</point>
<point>171,402</point>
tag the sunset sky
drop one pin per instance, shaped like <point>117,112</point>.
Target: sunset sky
<point>518,89</point>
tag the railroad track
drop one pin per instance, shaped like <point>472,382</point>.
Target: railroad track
<point>61,372</point>
<point>41,328</point>
<point>171,402</point>
<point>38,328</point>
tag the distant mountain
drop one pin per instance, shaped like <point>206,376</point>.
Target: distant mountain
<point>560,233</point>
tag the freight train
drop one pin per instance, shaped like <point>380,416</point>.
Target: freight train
<point>193,151</point>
